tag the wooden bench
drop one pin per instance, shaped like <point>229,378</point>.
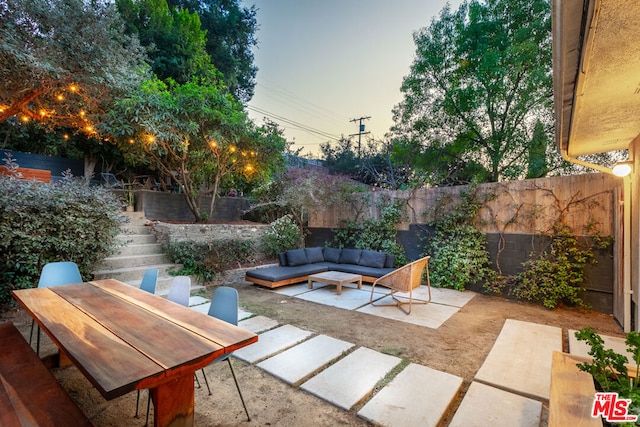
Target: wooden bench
<point>26,174</point>
<point>572,393</point>
<point>29,393</point>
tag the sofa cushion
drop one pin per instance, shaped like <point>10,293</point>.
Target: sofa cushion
<point>277,273</point>
<point>314,255</point>
<point>331,254</point>
<point>297,257</point>
<point>372,259</point>
<point>350,256</point>
<point>282,258</point>
<point>389,261</point>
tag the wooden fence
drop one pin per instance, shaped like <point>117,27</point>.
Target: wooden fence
<point>523,207</point>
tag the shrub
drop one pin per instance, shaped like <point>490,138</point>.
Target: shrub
<point>283,235</point>
<point>205,260</point>
<point>458,250</point>
<point>374,234</point>
<point>42,223</point>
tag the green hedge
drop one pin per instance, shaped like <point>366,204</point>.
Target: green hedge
<point>42,223</point>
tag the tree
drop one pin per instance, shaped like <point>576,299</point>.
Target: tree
<point>230,38</point>
<point>62,62</point>
<point>174,37</point>
<point>480,83</point>
<point>195,133</point>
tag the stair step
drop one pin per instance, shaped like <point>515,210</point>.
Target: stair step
<point>128,229</point>
<point>144,249</point>
<point>116,262</point>
<point>133,273</point>
<point>137,239</point>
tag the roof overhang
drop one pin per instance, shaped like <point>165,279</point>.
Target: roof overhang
<point>596,74</point>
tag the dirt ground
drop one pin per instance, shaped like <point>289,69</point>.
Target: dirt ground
<point>458,347</point>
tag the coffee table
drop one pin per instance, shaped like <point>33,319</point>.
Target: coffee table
<point>337,278</point>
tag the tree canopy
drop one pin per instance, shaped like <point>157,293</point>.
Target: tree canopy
<point>230,37</point>
<point>196,134</point>
<point>479,94</point>
<point>62,62</point>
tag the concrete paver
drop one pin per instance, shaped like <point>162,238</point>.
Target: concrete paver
<point>301,361</point>
<point>272,342</point>
<point>258,324</point>
<point>351,379</point>
<point>581,348</point>
<point>350,298</point>
<point>417,396</point>
<point>484,405</point>
<point>430,315</point>
<point>520,359</point>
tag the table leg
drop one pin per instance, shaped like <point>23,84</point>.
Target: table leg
<point>173,403</point>
<point>310,284</point>
<point>360,283</point>
<point>339,286</point>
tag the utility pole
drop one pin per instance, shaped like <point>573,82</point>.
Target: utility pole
<point>360,132</point>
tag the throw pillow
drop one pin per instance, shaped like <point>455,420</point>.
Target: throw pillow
<point>297,257</point>
<point>389,261</point>
<point>350,256</point>
<point>314,255</point>
<point>282,258</point>
<point>331,254</point>
<point>372,259</point>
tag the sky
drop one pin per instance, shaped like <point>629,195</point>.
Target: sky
<point>323,63</point>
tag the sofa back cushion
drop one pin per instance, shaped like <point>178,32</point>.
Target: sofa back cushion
<point>296,257</point>
<point>331,254</point>
<point>350,256</point>
<point>282,258</point>
<point>389,261</point>
<point>314,255</point>
<point>372,259</point>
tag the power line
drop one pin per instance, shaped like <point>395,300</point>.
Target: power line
<point>360,131</point>
<point>303,127</point>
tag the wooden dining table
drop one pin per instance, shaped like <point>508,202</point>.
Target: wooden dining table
<point>124,339</point>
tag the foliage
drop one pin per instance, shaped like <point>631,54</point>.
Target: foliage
<point>230,37</point>
<point>558,274</point>
<point>50,73</point>
<point>195,133</point>
<point>174,38</point>
<point>43,223</point>
<point>371,165</point>
<point>458,250</point>
<point>480,82</point>
<point>374,234</point>
<point>205,260</point>
<point>300,191</point>
<point>609,369</point>
<point>284,234</point>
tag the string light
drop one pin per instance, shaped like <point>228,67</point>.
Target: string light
<point>65,136</point>
<point>73,88</point>
<point>232,149</point>
<point>25,119</point>
<point>60,97</point>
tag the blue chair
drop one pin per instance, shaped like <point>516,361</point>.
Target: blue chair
<point>148,284</point>
<point>55,274</point>
<point>149,280</point>
<point>179,292</point>
<point>224,306</point>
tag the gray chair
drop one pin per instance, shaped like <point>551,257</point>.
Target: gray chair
<point>55,274</point>
<point>224,306</point>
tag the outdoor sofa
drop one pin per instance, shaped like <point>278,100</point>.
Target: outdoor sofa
<point>297,264</point>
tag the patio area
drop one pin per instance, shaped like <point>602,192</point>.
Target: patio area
<point>319,364</point>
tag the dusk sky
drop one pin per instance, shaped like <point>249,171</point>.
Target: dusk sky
<point>323,63</point>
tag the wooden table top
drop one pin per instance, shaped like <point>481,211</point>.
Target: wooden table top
<point>123,338</point>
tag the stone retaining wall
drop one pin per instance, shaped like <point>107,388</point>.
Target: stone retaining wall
<point>205,233</point>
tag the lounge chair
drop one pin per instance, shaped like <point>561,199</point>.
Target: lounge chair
<point>404,279</point>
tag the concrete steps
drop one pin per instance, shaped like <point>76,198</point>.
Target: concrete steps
<point>139,253</point>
